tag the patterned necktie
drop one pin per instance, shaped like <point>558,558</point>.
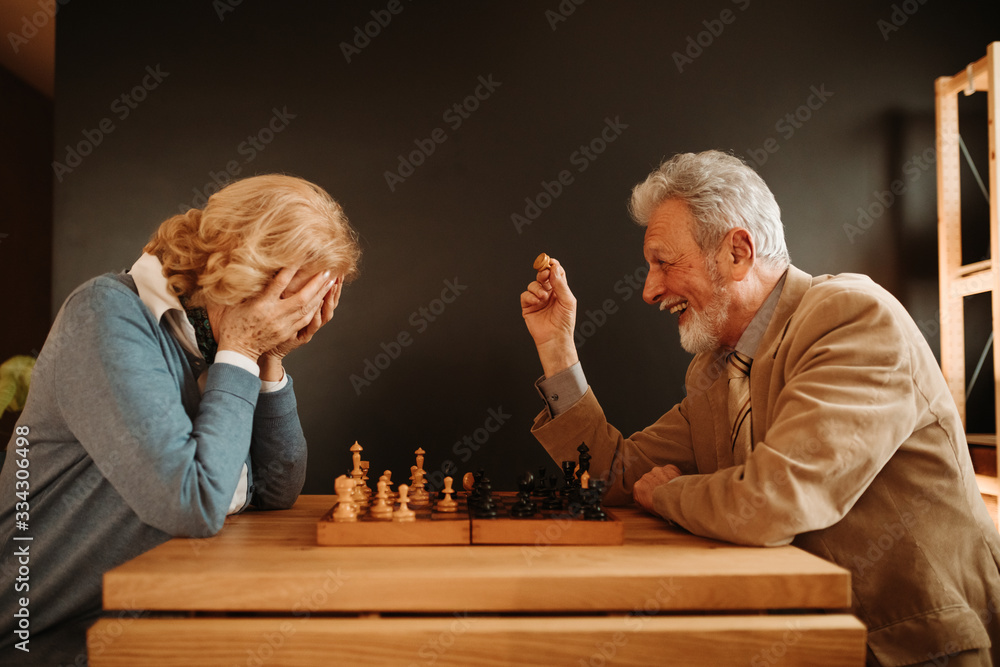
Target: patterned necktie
<point>741,434</point>
<point>198,317</point>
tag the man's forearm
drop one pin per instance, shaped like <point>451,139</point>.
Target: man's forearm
<point>557,356</point>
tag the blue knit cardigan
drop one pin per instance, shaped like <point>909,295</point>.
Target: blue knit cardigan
<point>124,452</point>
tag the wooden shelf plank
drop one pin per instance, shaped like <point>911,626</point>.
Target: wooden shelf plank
<point>988,485</point>
<point>982,439</point>
<point>966,283</point>
<point>952,85</point>
<point>459,640</point>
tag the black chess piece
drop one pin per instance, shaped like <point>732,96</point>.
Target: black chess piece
<point>485,508</point>
<point>475,495</point>
<point>593,509</point>
<point>552,500</point>
<point>526,483</point>
<point>569,478</point>
<point>524,507</point>
<point>584,459</point>
<point>539,490</point>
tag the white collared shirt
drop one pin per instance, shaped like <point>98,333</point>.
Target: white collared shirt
<point>147,272</point>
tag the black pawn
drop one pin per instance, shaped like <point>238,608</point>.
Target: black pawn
<point>524,507</point>
<point>539,490</point>
<point>475,495</point>
<point>592,509</point>
<point>485,508</point>
<point>552,501</point>
<point>569,478</point>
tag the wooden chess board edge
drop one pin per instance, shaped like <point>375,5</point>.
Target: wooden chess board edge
<point>548,531</point>
<point>440,531</point>
<point>460,530</point>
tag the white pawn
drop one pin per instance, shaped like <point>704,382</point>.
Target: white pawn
<point>382,509</point>
<point>447,504</point>
<point>345,510</point>
<point>404,513</point>
<point>585,480</point>
<point>357,494</point>
<point>364,479</point>
<point>387,476</point>
<point>418,495</point>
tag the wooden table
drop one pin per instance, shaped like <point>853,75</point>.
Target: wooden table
<point>262,593</point>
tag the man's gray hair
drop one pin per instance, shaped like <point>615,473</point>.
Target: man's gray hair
<point>722,192</point>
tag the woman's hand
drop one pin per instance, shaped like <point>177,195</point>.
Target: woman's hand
<point>276,319</point>
<point>270,361</point>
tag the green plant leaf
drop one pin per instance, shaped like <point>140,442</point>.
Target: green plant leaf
<point>15,380</point>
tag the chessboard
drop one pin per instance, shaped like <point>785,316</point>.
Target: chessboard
<point>429,527</point>
<point>546,527</point>
<point>543,513</point>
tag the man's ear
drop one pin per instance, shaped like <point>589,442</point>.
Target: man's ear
<point>739,253</point>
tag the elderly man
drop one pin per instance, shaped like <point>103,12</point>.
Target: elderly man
<point>815,414</point>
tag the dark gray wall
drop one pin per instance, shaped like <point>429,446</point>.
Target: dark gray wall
<point>26,223</point>
<point>210,75</point>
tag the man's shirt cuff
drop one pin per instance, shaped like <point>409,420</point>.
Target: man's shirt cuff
<point>561,391</point>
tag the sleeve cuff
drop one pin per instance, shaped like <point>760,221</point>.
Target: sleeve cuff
<point>238,360</point>
<point>562,391</point>
<point>267,387</point>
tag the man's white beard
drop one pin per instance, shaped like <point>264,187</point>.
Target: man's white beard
<point>701,332</point>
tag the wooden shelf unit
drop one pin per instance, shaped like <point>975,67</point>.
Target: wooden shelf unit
<point>958,281</point>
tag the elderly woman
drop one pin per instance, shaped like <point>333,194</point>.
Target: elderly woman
<point>159,404</point>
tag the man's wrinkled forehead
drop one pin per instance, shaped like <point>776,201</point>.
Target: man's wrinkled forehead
<point>669,235</point>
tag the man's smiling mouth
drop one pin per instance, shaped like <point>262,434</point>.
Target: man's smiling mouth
<point>678,307</point>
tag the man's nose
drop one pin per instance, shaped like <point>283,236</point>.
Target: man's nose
<point>652,290</point>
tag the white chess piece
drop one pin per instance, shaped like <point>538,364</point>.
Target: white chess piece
<point>356,473</point>
<point>447,504</point>
<point>404,513</point>
<point>364,479</point>
<point>585,480</point>
<point>345,510</point>
<point>357,495</point>
<point>382,509</point>
<point>356,450</point>
<point>418,495</point>
<point>387,476</point>
<point>420,457</point>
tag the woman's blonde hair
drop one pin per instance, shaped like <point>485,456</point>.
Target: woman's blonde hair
<point>247,232</point>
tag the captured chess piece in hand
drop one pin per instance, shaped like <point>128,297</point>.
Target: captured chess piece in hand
<point>543,261</point>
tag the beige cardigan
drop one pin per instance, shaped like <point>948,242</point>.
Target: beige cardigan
<point>859,457</point>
